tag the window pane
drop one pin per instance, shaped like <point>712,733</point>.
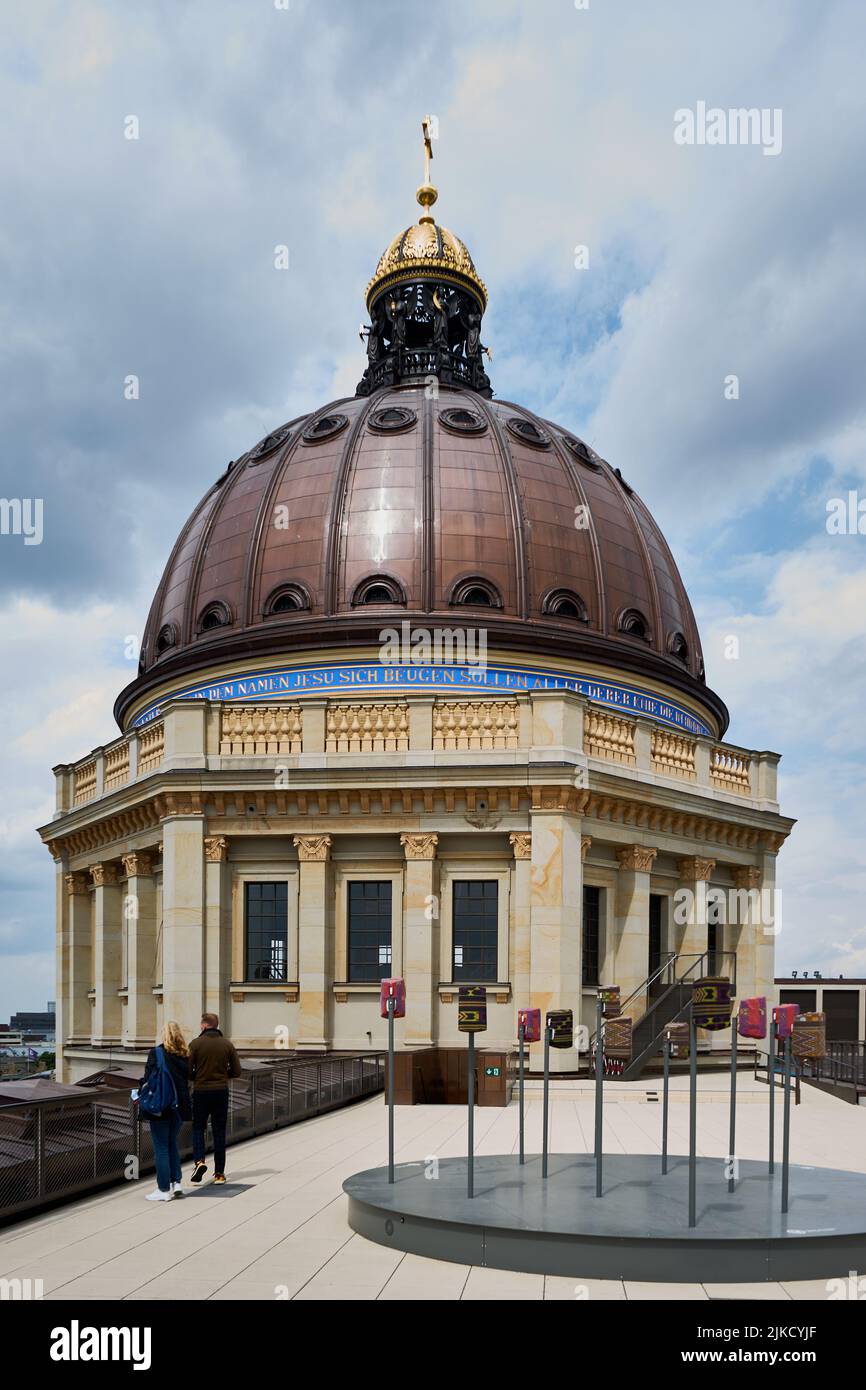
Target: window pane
<point>266,931</point>
<point>591,913</point>
<point>476,929</point>
<point>369,930</point>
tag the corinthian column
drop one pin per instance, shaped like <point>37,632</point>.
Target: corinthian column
<point>556,899</point>
<point>631,959</point>
<point>77,1023</point>
<point>108,953</point>
<point>315,940</point>
<point>521,889</point>
<point>690,906</point>
<point>139,910</point>
<point>420,937</point>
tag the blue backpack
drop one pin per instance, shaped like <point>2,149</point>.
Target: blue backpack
<point>159,1092</point>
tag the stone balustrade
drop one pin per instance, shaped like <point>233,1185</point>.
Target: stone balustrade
<point>367,728</point>
<point>475,724</point>
<point>84,782</point>
<point>116,765</point>
<point>260,730</point>
<point>608,736</point>
<point>674,755</point>
<point>198,734</point>
<point>151,746</point>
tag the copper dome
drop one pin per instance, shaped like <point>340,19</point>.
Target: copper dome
<point>439,507</point>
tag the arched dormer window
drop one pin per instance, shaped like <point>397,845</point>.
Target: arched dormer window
<point>288,598</point>
<point>565,603</point>
<point>475,592</point>
<point>679,647</point>
<point>216,615</point>
<point>166,638</point>
<point>633,624</point>
<point>378,588</point>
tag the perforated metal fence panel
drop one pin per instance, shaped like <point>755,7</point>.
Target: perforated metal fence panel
<point>64,1148</point>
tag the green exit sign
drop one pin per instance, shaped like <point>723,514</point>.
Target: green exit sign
<point>491,1071</point>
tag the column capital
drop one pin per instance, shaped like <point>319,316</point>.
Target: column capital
<point>104,875</point>
<point>638,859</point>
<point>216,849</point>
<point>313,849</point>
<point>77,885</point>
<point>419,846</point>
<point>694,869</point>
<point>139,864</point>
<point>521,843</point>
<point>747,876</point>
<point>585,842</point>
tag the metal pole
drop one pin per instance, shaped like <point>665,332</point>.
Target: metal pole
<point>522,1031</point>
<point>667,1078</point>
<point>599,1096</point>
<point>390,1007</point>
<point>544,1122</point>
<point>771,1077</point>
<point>786,1133</point>
<point>693,1116</point>
<point>732,1141</point>
<point>471,1087</point>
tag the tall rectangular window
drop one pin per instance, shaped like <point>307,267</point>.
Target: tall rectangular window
<point>591,919</point>
<point>266,919</point>
<point>476,929</point>
<point>369,918</point>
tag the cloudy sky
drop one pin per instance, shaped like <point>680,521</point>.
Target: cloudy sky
<point>297,123</point>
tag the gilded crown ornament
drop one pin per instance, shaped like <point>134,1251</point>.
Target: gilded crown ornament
<point>426,301</point>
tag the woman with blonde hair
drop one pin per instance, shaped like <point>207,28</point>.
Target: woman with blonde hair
<point>164,1098</point>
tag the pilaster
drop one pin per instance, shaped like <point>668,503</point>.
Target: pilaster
<point>420,936</point>
<point>315,940</point>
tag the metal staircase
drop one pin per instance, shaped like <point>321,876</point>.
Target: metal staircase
<point>665,996</point>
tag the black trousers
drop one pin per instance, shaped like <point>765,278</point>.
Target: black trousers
<point>213,1106</point>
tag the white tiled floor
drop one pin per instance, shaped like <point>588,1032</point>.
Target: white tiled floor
<point>286,1236</point>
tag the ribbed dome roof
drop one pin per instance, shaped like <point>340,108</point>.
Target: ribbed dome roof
<point>452,510</point>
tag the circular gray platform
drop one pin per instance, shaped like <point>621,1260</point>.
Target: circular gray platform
<point>637,1230</point>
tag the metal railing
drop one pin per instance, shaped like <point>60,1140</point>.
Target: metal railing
<point>56,1149</point>
<point>844,1064</point>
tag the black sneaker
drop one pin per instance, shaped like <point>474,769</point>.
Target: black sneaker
<point>198,1172</point>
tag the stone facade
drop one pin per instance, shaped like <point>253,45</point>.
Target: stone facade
<point>542,796</point>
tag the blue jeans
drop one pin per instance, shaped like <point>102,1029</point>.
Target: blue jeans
<point>164,1132</point>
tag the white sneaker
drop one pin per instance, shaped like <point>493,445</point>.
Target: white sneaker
<point>176,1189</point>
<point>157,1196</point>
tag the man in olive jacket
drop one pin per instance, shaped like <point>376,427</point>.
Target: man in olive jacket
<point>212,1060</point>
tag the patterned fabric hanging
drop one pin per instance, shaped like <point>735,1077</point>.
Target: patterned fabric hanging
<point>561,1024</point>
<point>396,990</point>
<point>472,1009</point>
<point>752,1018</point>
<point>711,1002</point>
<point>678,1034</point>
<point>609,996</point>
<point>531,1020</point>
<point>617,1045</point>
<point>783,1017</point>
<point>809,1038</point>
